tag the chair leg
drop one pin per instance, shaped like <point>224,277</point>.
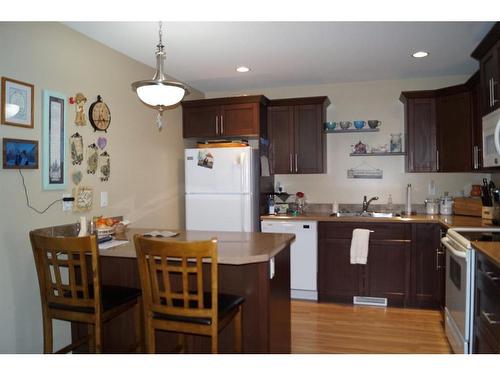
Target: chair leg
<point>90,329</point>
<point>48,346</point>
<point>98,337</point>
<point>238,341</point>
<point>215,342</point>
<point>139,327</point>
<point>150,336</point>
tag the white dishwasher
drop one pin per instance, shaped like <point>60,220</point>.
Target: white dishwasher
<point>303,255</point>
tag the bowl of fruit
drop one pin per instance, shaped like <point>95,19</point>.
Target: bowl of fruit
<point>105,226</point>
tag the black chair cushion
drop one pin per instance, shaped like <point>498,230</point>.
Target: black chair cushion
<point>226,304</point>
<point>111,295</point>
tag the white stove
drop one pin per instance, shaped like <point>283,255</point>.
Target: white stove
<point>460,260</point>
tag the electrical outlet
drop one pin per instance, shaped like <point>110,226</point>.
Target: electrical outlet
<point>104,198</point>
<point>67,205</point>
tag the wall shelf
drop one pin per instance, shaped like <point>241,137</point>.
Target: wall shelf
<point>367,130</point>
<point>379,154</point>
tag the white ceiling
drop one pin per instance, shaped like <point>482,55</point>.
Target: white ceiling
<point>205,54</point>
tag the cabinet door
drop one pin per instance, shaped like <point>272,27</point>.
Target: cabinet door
<point>309,139</point>
<point>454,128</point>
<point>200,121</point>
<point>428,268</point>
<point>421,135</point>
<point>490,70</point>
<point>280,128</point>
<point>388,271</point>
<point>239,119</point>
<point>338,279</point>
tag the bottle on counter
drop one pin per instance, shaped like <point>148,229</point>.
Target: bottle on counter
<point>270,205</point>
<point>390,205</point>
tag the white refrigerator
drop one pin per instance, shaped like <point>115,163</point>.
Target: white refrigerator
<point>222,189</point>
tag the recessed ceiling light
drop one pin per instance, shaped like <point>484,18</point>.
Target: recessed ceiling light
<point>420,54</point>
<point>242,69</point>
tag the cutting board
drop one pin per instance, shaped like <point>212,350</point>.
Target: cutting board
<point>468,206</point>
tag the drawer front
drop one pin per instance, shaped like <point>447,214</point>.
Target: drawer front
<point>483,342</point>
<point>380,231</point>
<point>488,301</point>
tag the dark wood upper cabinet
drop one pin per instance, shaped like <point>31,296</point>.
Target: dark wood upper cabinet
<point>242,116</point>
<point>488,54</point>
<point>420,131</point>
<point>297,140</point>
<point>440,122</point>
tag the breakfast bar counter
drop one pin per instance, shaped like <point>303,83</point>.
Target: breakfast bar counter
<point>255,266</point>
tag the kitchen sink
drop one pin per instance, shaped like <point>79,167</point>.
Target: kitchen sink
<point>366,214</point>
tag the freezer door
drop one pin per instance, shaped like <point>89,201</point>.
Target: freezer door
<point>230,170</point>
<point>219,212</point>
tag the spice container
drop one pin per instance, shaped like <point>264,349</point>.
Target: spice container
<point>446,204</point>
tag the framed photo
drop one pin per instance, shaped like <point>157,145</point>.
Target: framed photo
<point>17,103</point>
<point>20,154</point>
<point>54,166</point>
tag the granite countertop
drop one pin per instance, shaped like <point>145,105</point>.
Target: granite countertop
<point>234,248</point>
<point>447,221</point>
<point>490,249</point>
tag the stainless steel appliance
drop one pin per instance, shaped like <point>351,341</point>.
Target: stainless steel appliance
<point>460,258</point>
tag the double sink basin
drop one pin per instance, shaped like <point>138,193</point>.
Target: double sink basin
<point>366,214</point>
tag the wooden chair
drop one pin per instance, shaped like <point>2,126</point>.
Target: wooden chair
<point>174,295</point>
<point>71,290</point>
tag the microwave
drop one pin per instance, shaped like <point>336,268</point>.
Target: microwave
<point>491,139</point>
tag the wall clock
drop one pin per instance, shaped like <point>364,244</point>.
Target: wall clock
<point>99,115</point>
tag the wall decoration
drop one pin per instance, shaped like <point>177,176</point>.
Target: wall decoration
<point>99,115</point>
<point>104,166</point>
<point>76,177</point>
<point>83,198</point>
<point>20,154</point>
<point>80,101</point>
<point>102,142</point>
<point>205,159</point>
<point>365,171</point>
<point>76,146</point>
<point>17,103</point>
<point>92,158</point>
<point>54,141</point>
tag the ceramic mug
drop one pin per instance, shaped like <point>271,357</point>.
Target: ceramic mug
<point>330,125</point>
<point>345,124</point>
<point>373,123</point>
<point>359,124</point>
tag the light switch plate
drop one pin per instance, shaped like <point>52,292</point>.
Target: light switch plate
<point>104,198</point>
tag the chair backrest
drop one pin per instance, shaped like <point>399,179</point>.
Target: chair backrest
<point>64,273</point>
<point>172,277</point>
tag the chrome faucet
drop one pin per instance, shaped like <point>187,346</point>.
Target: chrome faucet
<point>366,203</point>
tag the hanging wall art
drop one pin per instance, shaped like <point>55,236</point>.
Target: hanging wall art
<point>92,158</point>
<point>104,166</point>
<point>17,103</point>
<point>76,146</point>
<point>83,198</point>
<point>54,141</point>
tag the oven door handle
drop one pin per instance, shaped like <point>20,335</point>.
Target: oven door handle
<point>459,254</point>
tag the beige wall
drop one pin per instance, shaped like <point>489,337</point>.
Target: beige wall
<point>146,184</point>
<point>365,100</point>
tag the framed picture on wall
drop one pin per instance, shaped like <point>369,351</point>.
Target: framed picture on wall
<point>20,154</point>
<point>17,103</point>
<point>54,166</point>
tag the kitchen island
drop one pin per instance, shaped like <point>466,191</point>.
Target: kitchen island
<point>253,265</point>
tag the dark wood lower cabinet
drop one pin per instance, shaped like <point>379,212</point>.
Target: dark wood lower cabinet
<point>404,264</point>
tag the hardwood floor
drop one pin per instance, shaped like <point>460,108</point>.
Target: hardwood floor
<point>335,328</point>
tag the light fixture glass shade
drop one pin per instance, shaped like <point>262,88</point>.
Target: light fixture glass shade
<point>160,94</point>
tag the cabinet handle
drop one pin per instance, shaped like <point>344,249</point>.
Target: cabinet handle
<point>291,164</point>
<point>475,158</point>
<point>488,318</point>
<point>437,160</point>
<point>491,276</point>
<point>493,84</point>
<point>221,124</point>
<point>296,164</point>
<point>438,253</point>
<point>489,89</point>
<point>216,124</point>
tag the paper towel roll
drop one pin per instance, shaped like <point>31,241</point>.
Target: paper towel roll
<point>83,226</point>
<point>408,199</point>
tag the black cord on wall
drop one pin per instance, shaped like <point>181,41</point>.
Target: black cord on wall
<point>28,200</point>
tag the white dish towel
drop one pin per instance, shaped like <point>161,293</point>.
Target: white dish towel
<point>359,246</point>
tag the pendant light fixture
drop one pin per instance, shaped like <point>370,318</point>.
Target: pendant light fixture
<point>158,92</point>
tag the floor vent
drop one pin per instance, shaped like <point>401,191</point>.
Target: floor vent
<point>372,301</point>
